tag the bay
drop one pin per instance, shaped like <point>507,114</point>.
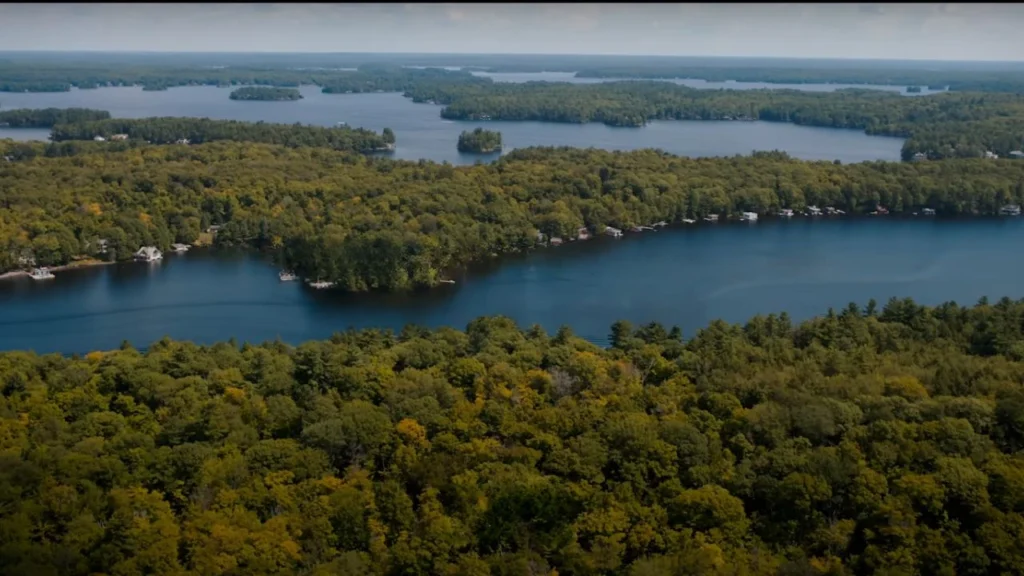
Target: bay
<point>686,276</point>
<point>423,134</point>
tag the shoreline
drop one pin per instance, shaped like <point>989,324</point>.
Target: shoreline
<point>89,263</point>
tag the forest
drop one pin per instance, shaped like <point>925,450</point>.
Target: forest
<point>479,141</point>
<point>874,440</point>
<point>265,93</point>
<point>199,130</point>
<point>949,125</point>
<point>49,117</point>
<point>39,74</point>
<point>370,223</point>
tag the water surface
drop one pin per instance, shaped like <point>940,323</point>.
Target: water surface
<point>423,134</point>
<point>685,276</point>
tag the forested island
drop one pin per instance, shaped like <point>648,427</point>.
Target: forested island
<point>49,117</point>
<point>867,441</point>
<point>265,93</point>
<point>941,125</point>
<point>371,223</point>
<point>199,130</point>
<point>479,141</point>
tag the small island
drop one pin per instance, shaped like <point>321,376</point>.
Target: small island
<point>479,141</point>
<point>266,93</point>
<point>913,89</point>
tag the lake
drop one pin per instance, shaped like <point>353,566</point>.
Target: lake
<point>423,134</point>
<point>570,77</point>
<point>686,276</point>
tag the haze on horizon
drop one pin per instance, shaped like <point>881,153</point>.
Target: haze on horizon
<point>862,31</point>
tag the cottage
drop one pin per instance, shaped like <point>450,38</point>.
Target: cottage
<point>813,211</point>
<point>149,254</point>
<point>928,211</point>
<point>613,232</point>
<point>1016,154</point>
<point>989,155</point>
<point>711,218</point>
<point>749,217</point>
<point>556,241</point>
<point>786,213</point>
<point>99,139</point>
<point>1010,210</point>
<point>919,157</point>
<point>881,210</point>
<point>582,233</point>
<point>118,137</point>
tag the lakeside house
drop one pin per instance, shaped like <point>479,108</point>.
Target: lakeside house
<point>920,157</point>
<point>613,232</point>
<point>928,211</point>
<point>118,137</point>
<point>749,217</point>
<point>786,212</point>
<point>880,210</point>
<point>582,233</point>
<point>711,218</point>
<point>179,248</point>
<point>1010,210</point>
<point>556,241</point>
<point>989,155</point>
<point>813,211</point>
<point>41,274</point>
<point>1016,154</point>
<point>833,211</point>
<point>149,254</point>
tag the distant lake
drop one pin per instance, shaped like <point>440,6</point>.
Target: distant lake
<point>423,134</point>
<point>686,276</point>
<point>570,77</point>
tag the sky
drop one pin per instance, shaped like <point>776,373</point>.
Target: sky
<point>886,31</point>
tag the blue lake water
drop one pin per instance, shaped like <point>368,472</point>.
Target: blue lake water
<point>686,276</point>
<point>423,134</point>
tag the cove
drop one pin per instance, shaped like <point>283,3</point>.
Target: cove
<point>423,134</point>
<point>685,276</point>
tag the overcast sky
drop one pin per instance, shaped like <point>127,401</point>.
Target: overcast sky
<point>897,31</point>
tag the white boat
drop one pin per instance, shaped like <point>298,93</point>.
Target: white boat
<point>321,284</point>
<point>447,281</point>
<point>41,274</point>
<point>689,221</point>
<point>287,276</point>
<point>179,248</point>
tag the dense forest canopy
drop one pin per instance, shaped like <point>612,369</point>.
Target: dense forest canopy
<point>49,117</point>
<point>479,141</point>
<point>265,93</point>
<point>171,130</point>
<point>864,442</point>
<point>378,224</point>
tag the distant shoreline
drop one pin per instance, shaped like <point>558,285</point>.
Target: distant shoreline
<point>88,263</point>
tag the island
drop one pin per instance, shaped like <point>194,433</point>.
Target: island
<point>49,117</point>
<point>266,93</point>
<point>913,89</point>
<point>479,141</point>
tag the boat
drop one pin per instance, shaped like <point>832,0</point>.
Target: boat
<point>286,276</point>
<point>179,248</point>
<point>786,213</point>
<point>41,274</point>
<point>660,224</point>
<point>447,281</point>
<point>689,221</point>
<point>321,284</point>
<point>711,218</point>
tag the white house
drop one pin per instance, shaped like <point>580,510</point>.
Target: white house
<point>1010,210</point>
<point>613,232</point>
<point>149,254</point>
<point>749,217</point>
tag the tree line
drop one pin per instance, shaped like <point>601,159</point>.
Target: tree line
<point>875,440</point>
<point>170,130</point>
<point>370,223</point>
<point>49,117</point>
<point>265,93</point>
